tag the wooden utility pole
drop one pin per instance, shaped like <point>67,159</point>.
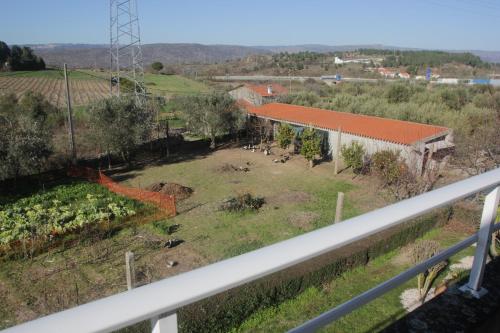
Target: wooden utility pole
<point>340,207</point>
<point>70,118</point>
<point>130,269</point>
<point>337,150</point>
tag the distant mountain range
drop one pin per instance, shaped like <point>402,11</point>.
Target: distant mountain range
<point>97,55</point>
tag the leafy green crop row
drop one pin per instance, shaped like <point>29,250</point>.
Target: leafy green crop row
<point>60,210</point>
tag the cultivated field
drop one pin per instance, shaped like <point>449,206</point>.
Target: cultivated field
<point>89,86</point>
<point>82,91</point>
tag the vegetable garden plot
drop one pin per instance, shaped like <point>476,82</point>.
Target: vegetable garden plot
<point>58,211</point>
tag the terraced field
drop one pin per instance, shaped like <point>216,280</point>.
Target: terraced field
<point>82,91</point>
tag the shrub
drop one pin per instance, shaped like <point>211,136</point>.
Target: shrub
<point>398,93</point>
<point>353,156</point>
<point>285,136</point>
<point>455,98</point>
<point>242,202</point>
<point>157,66</point>
<point>387,165</point>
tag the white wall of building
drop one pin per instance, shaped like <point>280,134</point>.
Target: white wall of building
<point>412,155</point>
<point>247,94</point>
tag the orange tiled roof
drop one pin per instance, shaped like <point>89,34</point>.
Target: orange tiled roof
<point>396,131</point>
<point>261,89</point>
<point>243,103</point>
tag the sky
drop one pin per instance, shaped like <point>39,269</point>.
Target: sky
<point>430,24</point>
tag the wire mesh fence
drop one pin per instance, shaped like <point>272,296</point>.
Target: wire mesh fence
<point>163,201</point>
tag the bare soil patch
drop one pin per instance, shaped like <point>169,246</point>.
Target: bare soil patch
<point>303,220</point>
<point>180,192</point>
<point>290,197</point>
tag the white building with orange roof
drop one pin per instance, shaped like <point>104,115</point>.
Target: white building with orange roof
<point>387,73</point>
<point>419,144</point>
<point>258,94</point>
<point>404,75</point>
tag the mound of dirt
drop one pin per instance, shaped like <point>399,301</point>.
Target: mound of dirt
<point>180,192</point>
<point>231,168</point>
<point>155,187</point>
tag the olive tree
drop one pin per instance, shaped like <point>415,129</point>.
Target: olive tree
<point>211,115</point>
<point>477,141</point>
<point>120,124</point>
<point>26,140</point>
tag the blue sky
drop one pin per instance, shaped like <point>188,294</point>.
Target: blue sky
<point>436,24</point>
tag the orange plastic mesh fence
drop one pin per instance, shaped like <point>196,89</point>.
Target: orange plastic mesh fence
<point>163,201</point>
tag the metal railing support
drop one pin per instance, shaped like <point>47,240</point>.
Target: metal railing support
<point>164,323</point>
<point>484,238</point>
<point>386,286</point>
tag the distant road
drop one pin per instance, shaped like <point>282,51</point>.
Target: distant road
<point>288,78</point>
<point>451,81</point>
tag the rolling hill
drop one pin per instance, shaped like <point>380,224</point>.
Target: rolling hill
<point>97,56</point>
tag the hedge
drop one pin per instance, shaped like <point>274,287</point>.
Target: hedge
<point>229,309</point>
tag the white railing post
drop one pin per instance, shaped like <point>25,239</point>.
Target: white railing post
<point>164,323</point>
<point>484,237</point>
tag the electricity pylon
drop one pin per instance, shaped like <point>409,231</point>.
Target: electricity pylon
<point>126,67</point>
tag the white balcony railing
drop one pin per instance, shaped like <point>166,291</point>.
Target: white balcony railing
<point>160,300</point>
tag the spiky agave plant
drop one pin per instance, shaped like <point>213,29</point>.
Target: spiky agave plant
<point>420,251</point>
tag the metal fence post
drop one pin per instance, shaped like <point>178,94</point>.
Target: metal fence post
<point>164,323</point>
<point>484,237</point>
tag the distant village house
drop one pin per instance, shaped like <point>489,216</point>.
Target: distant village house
<point>387,73</point>
<point>258,94</point>
<point>404,75</point>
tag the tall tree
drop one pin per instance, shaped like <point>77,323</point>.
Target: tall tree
<point>211,115</point>
<point>20,58</point>
<point>4,53</point>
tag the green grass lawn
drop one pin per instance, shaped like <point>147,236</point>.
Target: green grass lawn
<point>297,200</point>
<point>369,318</point>
<point>173,84</point>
